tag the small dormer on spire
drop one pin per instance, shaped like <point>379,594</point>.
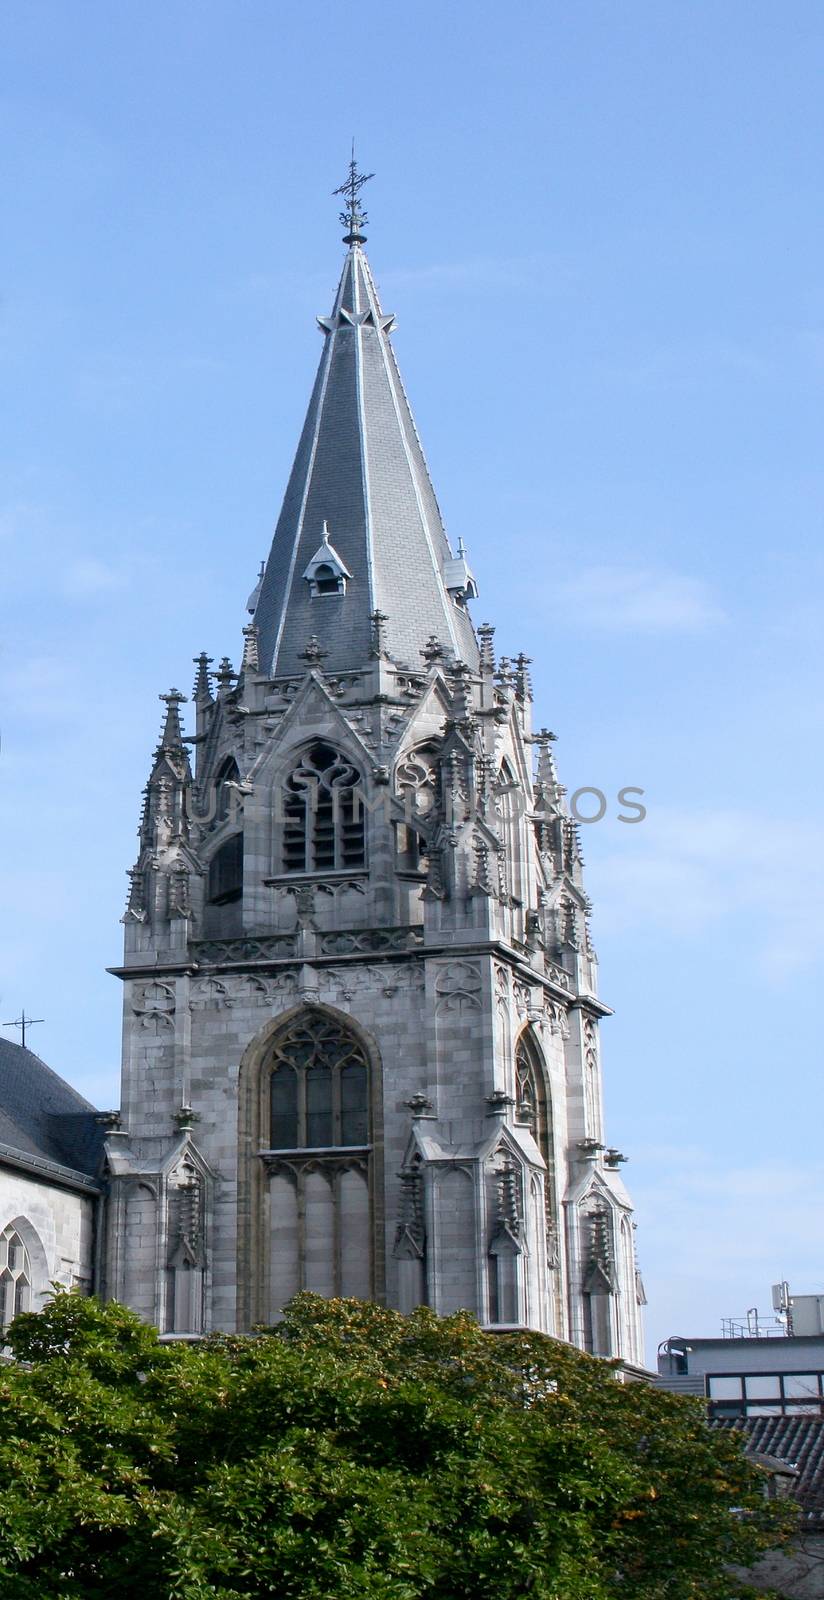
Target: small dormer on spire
<point>251,603</point>
<point>326,573</point>
<point>458,577</point>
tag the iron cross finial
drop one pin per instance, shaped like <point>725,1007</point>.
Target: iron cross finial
<point>23,1022</point>
<point>354,218</point>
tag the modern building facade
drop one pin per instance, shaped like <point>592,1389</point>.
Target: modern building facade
<point>769,1366</point>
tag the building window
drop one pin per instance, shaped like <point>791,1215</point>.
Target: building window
<point>418,787</point>
<point>226,872</point>
<point>509,805</point>
<point>319,1211</point>
<point>318,1087</point>
<point>326,572</point>
<point>323,826</point>
<point>765,1394</point>
<point>15,1277</point>
<point>328,581</point>
<point>226,802</point>
<point>532,1102</point>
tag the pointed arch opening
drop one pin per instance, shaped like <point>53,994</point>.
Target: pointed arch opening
<point>15,1277</point>
<point>533,1109</point>
<point>509,804</point>
<point>418,787</point>
<point>310,1164</point>
<point>318,1086</point>
<point>323,813</point>
<point>226,803</point>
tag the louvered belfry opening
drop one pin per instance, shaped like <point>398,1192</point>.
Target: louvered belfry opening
<point>323,821</point>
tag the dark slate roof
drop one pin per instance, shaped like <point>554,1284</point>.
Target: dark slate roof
<point>361,469</point>
<point>798,1441</point>
<point>42,1118</point>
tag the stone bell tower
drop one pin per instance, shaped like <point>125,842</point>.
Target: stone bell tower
<point>360,1011</point>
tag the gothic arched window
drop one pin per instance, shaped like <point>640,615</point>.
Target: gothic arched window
<point>318,1086</point>
<point>533,1108</point>
<point>509,806</point>
<point>323,823</point>
<point>226,801</point>
<point>15,1276</point>
<point>418,787</point>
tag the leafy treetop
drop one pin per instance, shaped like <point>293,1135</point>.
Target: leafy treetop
<point>355,1452</point>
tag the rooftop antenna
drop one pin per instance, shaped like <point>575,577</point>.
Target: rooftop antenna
<point>353,219</point>
<point>23,1022</point>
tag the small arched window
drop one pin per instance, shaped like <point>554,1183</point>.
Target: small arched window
<point>328,581</point>
<point>418,787</point>
<point>318,1087</point>
<point>15,1277</point>
<point>509,804</point>
<point>323,823</point>
<point>533,1107</point>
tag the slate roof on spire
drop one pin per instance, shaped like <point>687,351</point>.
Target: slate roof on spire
<point>359,467</point>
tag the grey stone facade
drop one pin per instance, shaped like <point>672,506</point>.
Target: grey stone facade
<point>360,1008</point>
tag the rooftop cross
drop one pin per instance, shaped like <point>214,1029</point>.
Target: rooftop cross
<point>353,218</point>
<point>23,1022</point>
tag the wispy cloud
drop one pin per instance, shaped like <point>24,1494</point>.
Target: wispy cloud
<point>638,599</point>
<point>689,871</point>
<point>90,577</point>
<point>749,1225</point>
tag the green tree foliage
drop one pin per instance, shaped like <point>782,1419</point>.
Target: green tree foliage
<point>353,1452</point>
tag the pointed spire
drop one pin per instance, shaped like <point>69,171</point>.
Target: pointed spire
<point>202,691</point>
<point>251,655</point>
<point>378,620</point>
<point>360,469</point>
<point>171,736</point>
<point>523,677</point>
<point>547,773</point>
<point>225,677</point>
<point>486,633</point>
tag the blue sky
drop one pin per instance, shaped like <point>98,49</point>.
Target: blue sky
<point>600,228</point>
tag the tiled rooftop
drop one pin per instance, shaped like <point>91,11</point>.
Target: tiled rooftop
<point>41,1116</point>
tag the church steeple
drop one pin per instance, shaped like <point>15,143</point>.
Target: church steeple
<point>361,1021</point>
<point>360,467</point>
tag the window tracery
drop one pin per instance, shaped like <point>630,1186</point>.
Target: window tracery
<point>323,824</point>
<point>15,1277</point>
<point>534,1110</point>
<point>318,1087</point>
<point>418,786</point>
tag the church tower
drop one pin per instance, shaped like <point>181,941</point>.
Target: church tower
<point>360,1012</point>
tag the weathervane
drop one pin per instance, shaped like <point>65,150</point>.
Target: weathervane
<point>23,1022</point>
<point>353,218</point>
